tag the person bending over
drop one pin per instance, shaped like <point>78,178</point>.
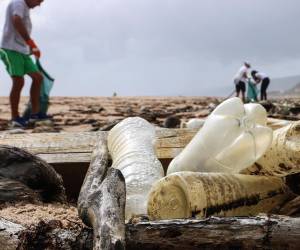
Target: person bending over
<point>262,78</point>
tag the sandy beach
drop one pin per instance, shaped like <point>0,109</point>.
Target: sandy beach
<point>100,113</point>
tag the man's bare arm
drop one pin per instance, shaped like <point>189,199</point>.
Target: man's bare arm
<point>20,27</point>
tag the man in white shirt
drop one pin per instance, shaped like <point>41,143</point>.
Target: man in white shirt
<point>16,47</point>
<point>262,78</point>
<point>240,80</point>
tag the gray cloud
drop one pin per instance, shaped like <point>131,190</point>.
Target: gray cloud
<point>162,47</point>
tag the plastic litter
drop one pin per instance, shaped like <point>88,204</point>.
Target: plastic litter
<point>46,87</point>
<point>252,92</point>
<point>232,138</point>
<point>194,123</point>
<point>131,145</point>
<point>190,194</point>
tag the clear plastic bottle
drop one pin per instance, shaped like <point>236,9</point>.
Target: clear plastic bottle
<point>232,138</point>
<point>131,145</point>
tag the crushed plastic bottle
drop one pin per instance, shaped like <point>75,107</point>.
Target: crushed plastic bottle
<point>131,145</point>
<point>232,138</point>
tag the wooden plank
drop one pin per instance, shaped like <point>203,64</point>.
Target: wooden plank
<point>62,158</point>
<point>45,143</point>
<point>77,147</point>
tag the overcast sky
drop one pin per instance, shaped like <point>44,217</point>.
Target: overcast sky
<point>161,47</point>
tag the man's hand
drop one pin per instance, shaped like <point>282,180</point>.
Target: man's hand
<point>34,48</point>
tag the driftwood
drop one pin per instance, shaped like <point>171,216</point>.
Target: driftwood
<point>93,179</point>
<point>61,148</point>
<point>109,210</point>
<point>11,190</point>
<point>101,203</point>
<point>9,234</point>
<point>292,207</point>
<point>262,232</point>
<point>44,235</point>
<point>24,176</point>
<point>77,147</point>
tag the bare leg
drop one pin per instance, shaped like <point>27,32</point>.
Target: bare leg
<point>14,97</point>
<point>35,91</point>
<point>243,96</point>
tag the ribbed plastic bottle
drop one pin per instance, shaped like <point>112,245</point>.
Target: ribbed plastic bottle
<point>131,145</point>
<point>232,138</point>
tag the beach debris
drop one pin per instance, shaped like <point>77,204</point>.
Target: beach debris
<point>194,123</point>
<point>171,122</point>
<point>131,145</point>
<point>22,174</point>
<point>200,195</point>
<point>232,138</point>
<point>283,156</point>
<point>214,233</point>
<point>101,202</point>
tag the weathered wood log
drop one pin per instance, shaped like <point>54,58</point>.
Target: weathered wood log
<point>94,177</point>
<point>291,208</point>
<point>106,212</point>
<point>60,148</point>
<point>24,169</point>
<point>44,235</point>
<point>77,147</point>
<point>101,203</point>
<point>109,234</point>
<point>262,232</point>
<point>275,232</point>
<point>11,190</point>
<point>9,234</point>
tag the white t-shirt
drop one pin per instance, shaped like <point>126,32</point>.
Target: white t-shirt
<point>261,75</point>
<point>11,39</point>
<point>239,76</point>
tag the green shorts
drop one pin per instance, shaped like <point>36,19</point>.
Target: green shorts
<point>17,64</point>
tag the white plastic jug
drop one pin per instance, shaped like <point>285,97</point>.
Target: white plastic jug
<point>232,138</point>
<point>131,145</point>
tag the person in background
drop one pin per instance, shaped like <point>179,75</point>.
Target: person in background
<point>16,47</point>
<point>240,80</point>
<point>262,78</point>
